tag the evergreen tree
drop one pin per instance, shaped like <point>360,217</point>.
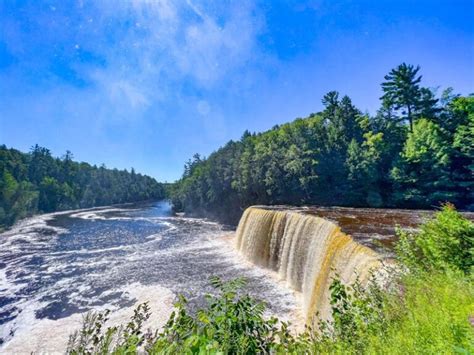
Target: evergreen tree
<point>421,175</point>
<point>363,163</point>
<point>402,93</point>
<point>37,182</point>
<point>340,156</point>
<point>462,161</point>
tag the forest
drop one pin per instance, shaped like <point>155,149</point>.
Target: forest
<point>36,182</point>
<point>417,151</point>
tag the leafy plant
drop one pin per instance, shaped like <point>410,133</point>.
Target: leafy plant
<point>445,242</point>
<point>423,307</point>
<point>95,338</point>
<point>231,323</point>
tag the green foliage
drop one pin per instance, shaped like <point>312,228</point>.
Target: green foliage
<point>17,199</point>
<point>445,242</point>
<point>357,312</point>
<point>423,306</point>
<point>421,176</point>
<point>340,156</point>
<point>402,92</point>
<point>94,338</point>
<point>363,162</point>
<point>232,323</point>
<point>460,124</point>
<point>429,315</point>
<point>37,182</point>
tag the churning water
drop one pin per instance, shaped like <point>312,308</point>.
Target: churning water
<point>55,267</point>
<point>306,251</point>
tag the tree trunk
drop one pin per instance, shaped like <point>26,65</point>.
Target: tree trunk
<point>410,119</point>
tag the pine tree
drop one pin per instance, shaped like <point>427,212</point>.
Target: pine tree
<point>402,93</point>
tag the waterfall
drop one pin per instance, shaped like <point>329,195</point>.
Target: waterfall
<point>306,251</point>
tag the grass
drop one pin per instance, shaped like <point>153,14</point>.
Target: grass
<point>430,316</point>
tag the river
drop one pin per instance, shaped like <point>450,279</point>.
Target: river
<point>55,267</point>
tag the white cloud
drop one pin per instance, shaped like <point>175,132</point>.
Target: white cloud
<point>173,40</point>
<point>119,90</point>
<point>211,50</point>
<point>165,9</point>
<point>152,57</point>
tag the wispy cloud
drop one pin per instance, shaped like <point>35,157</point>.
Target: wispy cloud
<point>168,47</point>
<point>136,53</point>
<point>126,76</point>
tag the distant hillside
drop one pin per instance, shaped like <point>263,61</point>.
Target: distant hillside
<point>36,182</point>
<point>416,152</point>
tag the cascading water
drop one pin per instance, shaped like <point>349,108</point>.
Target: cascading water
<point>56,267</point>
<point>306,251</point>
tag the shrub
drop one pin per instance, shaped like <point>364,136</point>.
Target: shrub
<point>445,242</point>
<point>94,338</point>
<point>427,309</point>
<point>232,323</point>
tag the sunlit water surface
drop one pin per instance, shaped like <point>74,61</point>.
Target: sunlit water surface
<point>55,267</point>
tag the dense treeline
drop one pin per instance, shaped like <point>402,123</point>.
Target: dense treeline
<point>417,151</point>
<point>37,182</point>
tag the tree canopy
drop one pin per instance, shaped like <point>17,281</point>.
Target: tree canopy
<point>403,94</point>
<point>416,152</point>
<point>37,182</point>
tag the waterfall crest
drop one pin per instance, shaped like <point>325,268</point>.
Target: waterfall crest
<point>306,251</point>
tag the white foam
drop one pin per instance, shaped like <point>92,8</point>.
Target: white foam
<point>48,336</point>
<point>87,215</point>
<point>30,232</point>
<point>4,283</point>
<point>155,237</point>
<point>193,220</point>
<point>97,214</point>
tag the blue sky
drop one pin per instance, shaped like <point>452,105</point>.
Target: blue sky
<point>148,83</point>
